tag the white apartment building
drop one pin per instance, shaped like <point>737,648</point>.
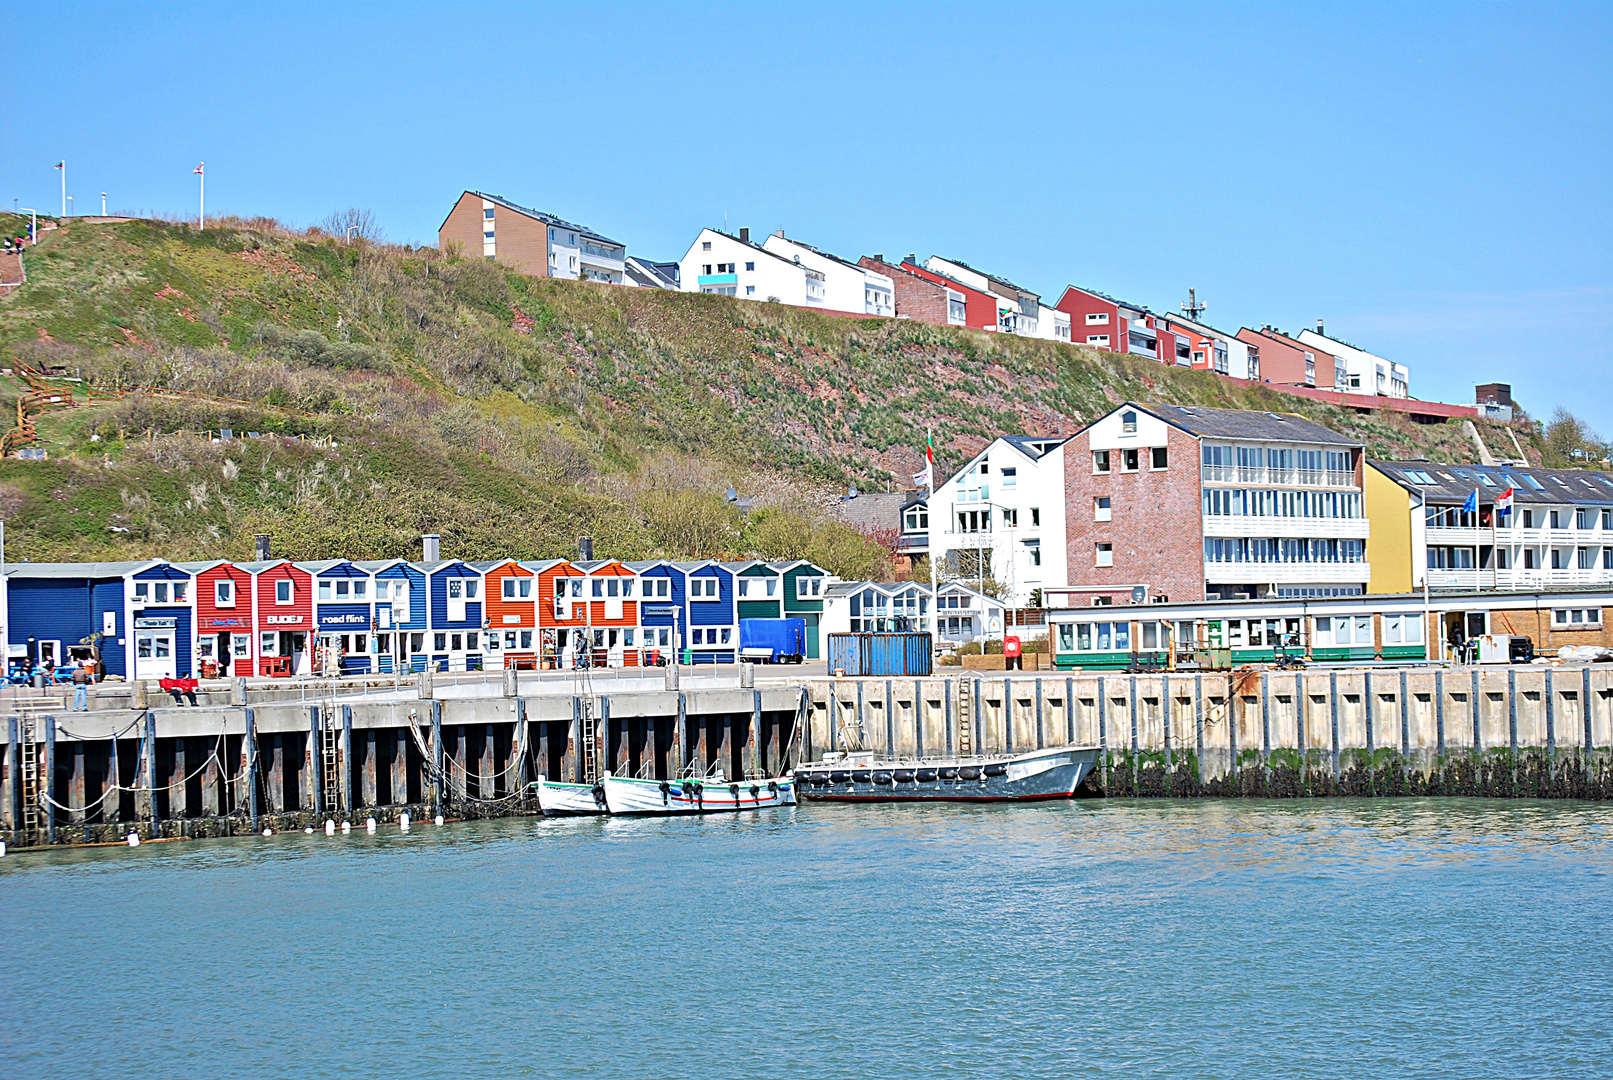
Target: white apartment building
<point>1004,511</point>
<point>962,615</point>
<point>1559,534</point>
<point>733,266</point>
<point>1360,372</point>
<point>1019,311</point>
<point>846,286</point>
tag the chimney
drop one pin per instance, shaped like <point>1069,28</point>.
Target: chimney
<point>912,259</point>
<point>779,234</point>
<point>431,548</point>
<point>1319,331</point>
<point>260,548</point>
<point>879,258</point>
<point>585,548</point>
<point>744,236</point>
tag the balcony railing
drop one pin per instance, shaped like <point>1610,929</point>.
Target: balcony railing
<point>1280,573</point>
<point>1260,474</point>
<point>1324,528</point>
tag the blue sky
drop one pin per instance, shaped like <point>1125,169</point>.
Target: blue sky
<point>1432,180</point>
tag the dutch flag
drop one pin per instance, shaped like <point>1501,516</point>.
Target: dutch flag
<point>1503,503</point>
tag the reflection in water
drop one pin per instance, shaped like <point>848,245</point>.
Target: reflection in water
<point>1372,937</point>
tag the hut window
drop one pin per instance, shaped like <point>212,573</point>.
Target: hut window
<point>142,591</point>
<point>342,588</point>
<point>268,643</point>
<point>772,586</point>
<point>509,639</point>
<point>456,588</point>
<point>611,587</point>
<point>324,590</point>
<point>224,593</point>
<point>559,587</point>
<point>282,591</point>
<point>627,586</point>
<point>599,587</point>
<point>458,643</point>
<point>627,638</point>
<point>526,639</point>
<point>416,642</point>
<point>361,588</point>
<point>159,591</point>
<point>509,588</point>
<point>525,588</point>
<point>744,586</point>
<point>472,587</point>
<point>439,642</point>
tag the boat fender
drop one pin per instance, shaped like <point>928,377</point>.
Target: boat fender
<point>599,794</point>
<point>666,793</point>
<point>755,792</point>
<point>949,774</point>
<point>969,772</point>
<point>733,789</point>
<point>772,789</point>
<point>997,769</point>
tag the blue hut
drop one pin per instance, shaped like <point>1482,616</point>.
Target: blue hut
<point>456,615</point>
<point>400,614</point>
<point>58,610</point>
<point>343,616</point>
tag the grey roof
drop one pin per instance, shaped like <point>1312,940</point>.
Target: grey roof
<point>1244,424</point>
<point>655,275</point>
<point>874,510</point>
<point>817,251</point>
<point>1454,483</point>
<point>547,219</point>
<point>1004,282</point>
<point>77,569</point>
<point>1105,296</point>
<point>1035,446</point>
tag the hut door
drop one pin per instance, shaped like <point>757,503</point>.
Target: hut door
<point>154,654</point>
<point>456,600</point>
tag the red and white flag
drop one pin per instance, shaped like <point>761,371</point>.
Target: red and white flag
<point>198,169</point>
<point>1503,503</point>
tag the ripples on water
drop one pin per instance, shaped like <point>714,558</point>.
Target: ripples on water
<point>1364,938</point>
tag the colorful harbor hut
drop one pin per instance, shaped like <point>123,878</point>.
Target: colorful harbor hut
<point>512,614</point>
<point>283,599</point>
<point>455,589</point>
<point>226,624</point>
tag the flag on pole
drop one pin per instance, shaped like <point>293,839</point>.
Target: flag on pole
<point>926,479</point>
<point>61,165</point>
<point>1503,503</point>
<point>198,169</point>
<point>1471,506</point>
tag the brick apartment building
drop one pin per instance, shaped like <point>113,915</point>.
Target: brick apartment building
<point>1291,362</point>
<point>927,297</point>
<point>530,241</point>
<point>1193,503</point>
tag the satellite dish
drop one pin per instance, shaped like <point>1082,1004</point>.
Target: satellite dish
<point>1139,594</point>
<point>731,495</point>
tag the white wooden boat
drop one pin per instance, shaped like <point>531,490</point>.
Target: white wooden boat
<point>695,795</point>
<point>557,799</point>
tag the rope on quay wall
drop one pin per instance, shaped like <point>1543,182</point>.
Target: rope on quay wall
<point>448,783</point>
<point>112,789</point>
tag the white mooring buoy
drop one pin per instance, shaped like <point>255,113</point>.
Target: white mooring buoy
<point>369,825</point>
<point>267,831</point>
<point>330,827</point>
<point>2,849</point>
<point>403,820</point>
<point>134,839</point>
<point>439,819</point>
<point>309,829</point>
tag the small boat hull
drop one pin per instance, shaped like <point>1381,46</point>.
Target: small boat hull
<point>1043,774</point>
<point>627,795</point>
<point>557,799</point>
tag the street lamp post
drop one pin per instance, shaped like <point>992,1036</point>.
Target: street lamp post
<point>61,167</point>
<point>103,204</point>
<point>201,196</point>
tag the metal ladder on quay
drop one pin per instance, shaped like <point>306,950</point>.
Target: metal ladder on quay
<point>966,717</point>
<point>330,749</point>
<point>28,767</point>
<point>589,735</point>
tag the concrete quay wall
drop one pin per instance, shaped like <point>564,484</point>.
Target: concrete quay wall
<point>1504,731</point>
<point>293,764</point>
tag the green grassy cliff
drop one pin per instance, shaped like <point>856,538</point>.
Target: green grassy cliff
<point>402,392</point>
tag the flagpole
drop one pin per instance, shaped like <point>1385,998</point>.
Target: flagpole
<point>201,198</point>
<point>929,539</point>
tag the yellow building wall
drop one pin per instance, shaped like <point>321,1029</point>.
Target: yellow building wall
<point>1388,510</point>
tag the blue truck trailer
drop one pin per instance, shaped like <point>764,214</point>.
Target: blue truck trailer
<point>772,641</point>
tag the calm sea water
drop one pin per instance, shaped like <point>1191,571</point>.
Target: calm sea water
<point>1230,939</point>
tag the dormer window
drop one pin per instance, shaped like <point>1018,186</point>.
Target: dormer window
<point>1128,422</point>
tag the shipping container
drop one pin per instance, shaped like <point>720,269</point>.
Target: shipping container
<point>880,654</point>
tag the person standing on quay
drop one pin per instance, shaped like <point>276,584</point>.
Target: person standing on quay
<point>81,688</point>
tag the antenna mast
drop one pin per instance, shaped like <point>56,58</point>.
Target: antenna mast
<point>1193,309</point>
